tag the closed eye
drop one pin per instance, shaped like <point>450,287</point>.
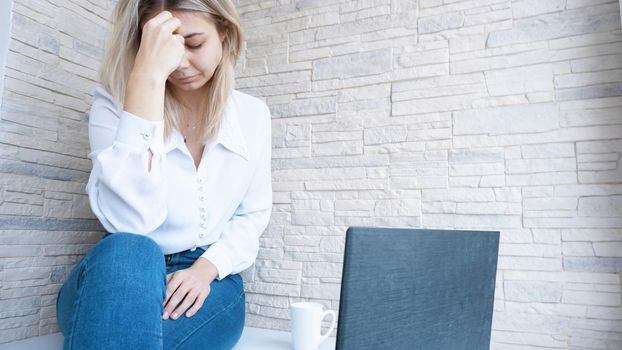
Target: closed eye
<point>195,47</point>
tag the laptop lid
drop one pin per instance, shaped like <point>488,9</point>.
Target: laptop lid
<point>417,289</point>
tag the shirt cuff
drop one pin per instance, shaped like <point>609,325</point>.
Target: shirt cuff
<point>140,133</point>
<point>218,256</point>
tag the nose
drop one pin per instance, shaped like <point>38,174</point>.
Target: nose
<point>185,62</point>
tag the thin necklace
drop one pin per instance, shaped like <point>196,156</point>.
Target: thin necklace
<point>192,127</point>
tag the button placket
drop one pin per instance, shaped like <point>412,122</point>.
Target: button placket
<point>202,211</point>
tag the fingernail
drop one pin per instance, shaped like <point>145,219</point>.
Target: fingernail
<point>165,316</point>
<point>175,315</point>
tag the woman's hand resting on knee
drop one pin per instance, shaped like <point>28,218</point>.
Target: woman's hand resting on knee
<point>187,289</point>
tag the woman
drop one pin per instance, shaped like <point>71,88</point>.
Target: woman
<point>181,181</point>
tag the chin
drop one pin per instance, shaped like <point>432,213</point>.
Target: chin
<point>195,85</point>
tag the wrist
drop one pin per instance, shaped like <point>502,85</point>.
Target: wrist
<point>144,95</point>
<point>206,267</point>
<point>146,78</point>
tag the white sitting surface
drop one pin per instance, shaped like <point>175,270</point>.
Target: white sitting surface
<point>252,339</point>
<point>267,339</point>
<point>51,341</point>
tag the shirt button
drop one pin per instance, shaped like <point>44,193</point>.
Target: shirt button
<point>201,234</point>
<point>202,198</point>
<point>203,225</point>
<point>202,210</point>
<point>147,135</point>
<point>200,180</point>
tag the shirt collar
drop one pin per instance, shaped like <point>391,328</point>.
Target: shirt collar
<point>229,135</point>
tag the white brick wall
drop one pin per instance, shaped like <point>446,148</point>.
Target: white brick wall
<point>6,10</point>
<point>487,114</point>
<point>54,50</point>
<point>470,114</point>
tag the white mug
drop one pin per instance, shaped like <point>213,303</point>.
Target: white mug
<point>306,321</point>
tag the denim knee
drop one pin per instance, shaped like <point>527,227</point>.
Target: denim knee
<point>129,249</point>
<point>126,239</point>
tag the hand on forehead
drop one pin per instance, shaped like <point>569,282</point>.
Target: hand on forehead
<point>187,17</point>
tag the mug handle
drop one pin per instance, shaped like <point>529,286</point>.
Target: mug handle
<point>332,325</point>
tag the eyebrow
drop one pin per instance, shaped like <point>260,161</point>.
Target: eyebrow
<point>191,35</point>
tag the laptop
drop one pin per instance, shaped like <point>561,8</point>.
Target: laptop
<point>417,289</point>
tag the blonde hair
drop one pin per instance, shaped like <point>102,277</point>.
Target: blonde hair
<point>124,41</point>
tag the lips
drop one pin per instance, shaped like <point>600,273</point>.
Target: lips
<point>186,79</point>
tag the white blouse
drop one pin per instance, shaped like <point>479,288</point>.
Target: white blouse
<point>223,206</point>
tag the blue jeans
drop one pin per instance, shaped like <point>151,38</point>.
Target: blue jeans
<point>112,299</point>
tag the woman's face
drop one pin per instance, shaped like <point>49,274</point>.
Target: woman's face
<point>203,51</point>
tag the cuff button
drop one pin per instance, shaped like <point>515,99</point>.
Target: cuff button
<point>147,135</point>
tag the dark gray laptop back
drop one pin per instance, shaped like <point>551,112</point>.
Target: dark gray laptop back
<point>416,289</point>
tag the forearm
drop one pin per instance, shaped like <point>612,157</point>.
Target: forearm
<point>144,95</point>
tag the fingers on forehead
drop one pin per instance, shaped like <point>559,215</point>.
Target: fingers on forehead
<point>164,15</point>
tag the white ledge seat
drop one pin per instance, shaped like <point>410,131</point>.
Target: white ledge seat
<point>252,339</point>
